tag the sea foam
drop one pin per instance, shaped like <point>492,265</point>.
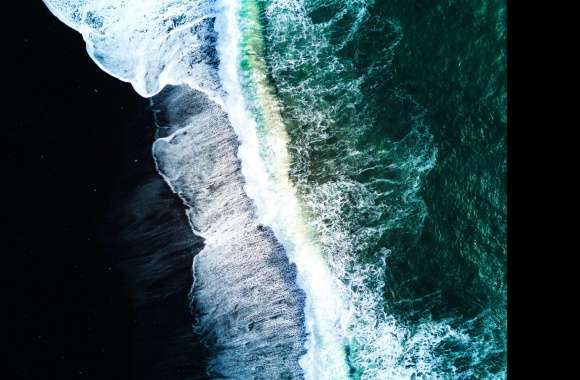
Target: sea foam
<point>250,310</point>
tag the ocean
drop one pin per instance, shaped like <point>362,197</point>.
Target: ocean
<point>344,163</point>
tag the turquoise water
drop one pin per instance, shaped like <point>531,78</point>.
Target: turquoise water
<point>396,112</point>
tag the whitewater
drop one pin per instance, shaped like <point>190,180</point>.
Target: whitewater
<point>241,276</point>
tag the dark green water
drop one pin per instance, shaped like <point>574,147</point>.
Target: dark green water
<point>397,117</point>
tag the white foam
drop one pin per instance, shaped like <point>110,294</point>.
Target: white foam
<point>149,43</point>
<point>267,183</point>
<point>250,335</point>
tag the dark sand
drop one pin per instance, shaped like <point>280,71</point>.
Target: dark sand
<point>89,295</point>
<point>152,247</point>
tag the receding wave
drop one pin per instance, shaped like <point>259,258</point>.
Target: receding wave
<point>248,305</point>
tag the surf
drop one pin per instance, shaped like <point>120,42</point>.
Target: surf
<point>249,309</point>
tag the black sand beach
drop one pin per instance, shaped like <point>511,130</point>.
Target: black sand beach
<point>90,295</point>
<point>152,247</point>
